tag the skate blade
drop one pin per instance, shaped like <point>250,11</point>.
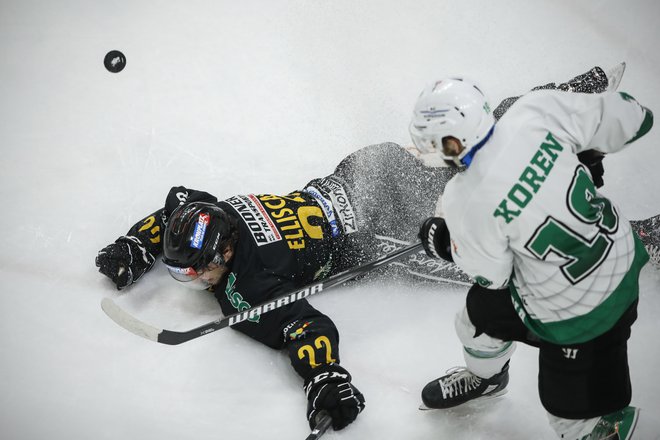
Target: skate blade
<point>469,404</point>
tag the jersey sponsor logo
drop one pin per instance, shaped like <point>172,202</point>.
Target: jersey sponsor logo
<point>200,230</point>
<point>300,332</point>
<point>294,217</point>
<point>288,328</point>
<point>326,206</point>
<point>570,353</point>
<point>344,209</point>
<point>341,204</point>
<point>253,213</point>
<point>236,299</point>
<point>530,181</point>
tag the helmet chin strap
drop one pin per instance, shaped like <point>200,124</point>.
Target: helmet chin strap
<point>467,159</point>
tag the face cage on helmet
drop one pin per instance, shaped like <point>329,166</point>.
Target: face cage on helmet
<point>191,275</point>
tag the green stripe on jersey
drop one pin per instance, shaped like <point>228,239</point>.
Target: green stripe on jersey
<point>586,327</point>
<point>647,123</point>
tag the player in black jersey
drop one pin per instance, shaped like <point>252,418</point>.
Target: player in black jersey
<point>249,248</point>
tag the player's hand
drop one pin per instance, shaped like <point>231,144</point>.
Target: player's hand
<point>594,161</point>
<point>124,261</point>
<point>330,390</point>
<point>435,238</point>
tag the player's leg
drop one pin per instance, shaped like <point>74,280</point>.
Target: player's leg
<point>486,326</point>
<point>392,191</point>
<point>586,387</point>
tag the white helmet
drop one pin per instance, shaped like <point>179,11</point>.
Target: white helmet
<point>451,107</point>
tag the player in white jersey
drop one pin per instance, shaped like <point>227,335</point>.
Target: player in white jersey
<point>556,265</point>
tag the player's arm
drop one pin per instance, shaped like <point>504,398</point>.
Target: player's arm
<point>313,347</point>
<point>310,338</point>
<point>132,255</point>
<point>623,121</point>
<point>180,195</point>
<point>608,125</point>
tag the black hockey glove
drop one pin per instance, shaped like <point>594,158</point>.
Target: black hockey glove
<point>435,238</point>
<point>594,161</point>
<point>331,390</point>
<point>124,261</point>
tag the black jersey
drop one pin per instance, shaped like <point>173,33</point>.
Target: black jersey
<point>327,226</point>
<point>289,234</point>
<point>284,242</point>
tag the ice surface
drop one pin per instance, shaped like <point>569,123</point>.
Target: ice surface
<point>259,96</point>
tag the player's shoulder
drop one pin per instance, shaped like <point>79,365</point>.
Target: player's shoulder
<point>544,102</point>
<point>460,197</point>
<point>537,102</point>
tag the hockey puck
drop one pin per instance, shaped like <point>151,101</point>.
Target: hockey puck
<point>114,61</point>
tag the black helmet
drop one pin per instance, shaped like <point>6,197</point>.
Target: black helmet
<point>197,234</point>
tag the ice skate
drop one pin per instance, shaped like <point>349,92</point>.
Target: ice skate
<point>614,75</point>
<point>616,426</point>
<point>460,386</point>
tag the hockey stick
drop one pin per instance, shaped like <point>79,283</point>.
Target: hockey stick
<point>320,427</point>
<point>172,337</point>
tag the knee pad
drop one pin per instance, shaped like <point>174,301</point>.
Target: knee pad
<point>484,355</point>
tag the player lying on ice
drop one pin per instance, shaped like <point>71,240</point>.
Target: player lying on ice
<point>556,264</point>
<point>249,248</point>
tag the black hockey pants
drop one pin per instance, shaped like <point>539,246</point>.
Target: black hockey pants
<point>575,381</point>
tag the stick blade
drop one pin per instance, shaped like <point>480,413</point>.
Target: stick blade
<point>129,322</point>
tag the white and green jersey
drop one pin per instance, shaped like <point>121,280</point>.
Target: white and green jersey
<point>526,213</point>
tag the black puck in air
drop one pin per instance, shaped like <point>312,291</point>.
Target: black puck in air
<point>114,61</point>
